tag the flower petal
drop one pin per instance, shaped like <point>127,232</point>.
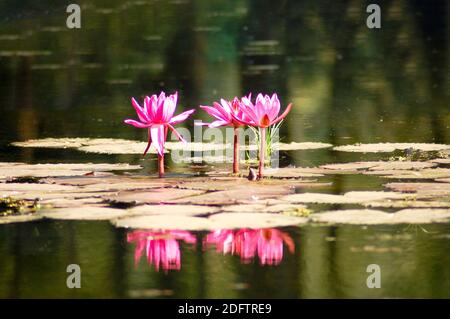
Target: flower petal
<point>218,124</point>
<point>137,124</point>
<point>181,117</point>
<point>288,109</point>
<point>158,138</point>
<point>139,110</point>
<point>149,142</point>
<point>181,138</point>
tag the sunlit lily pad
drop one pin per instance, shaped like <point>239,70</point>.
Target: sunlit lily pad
<point>8,170</point>
<point>84,213</point>
<point>390,147</point>
<point>163,222</point>
<point>293,146</point>
<point>348,198</point>
<point>373,217</point>
<point>261,208</point>
<point>236,195</point>
<point>19,218</point>
<point>441,161</point>
<point>169,210</point>
<point>71,202</point>
<point>380,166</point>
<point>408,203</point>
<point>250,220</point>
<point>153,196</point>
<point>421,174</point>
<point>422,189</point>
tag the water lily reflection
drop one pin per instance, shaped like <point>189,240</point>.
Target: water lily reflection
<point>162,248</point>
<point>267,243</point>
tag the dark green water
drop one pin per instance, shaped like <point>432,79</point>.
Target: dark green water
<point>327,262</point>
<point>348,84</point>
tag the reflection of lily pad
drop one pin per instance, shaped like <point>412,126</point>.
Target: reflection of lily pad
<point>390,147</point>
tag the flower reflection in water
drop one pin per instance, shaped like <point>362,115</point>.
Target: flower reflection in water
<point>162,248</point>
<point>267,243</point>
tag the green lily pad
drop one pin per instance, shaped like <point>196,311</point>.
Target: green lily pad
<point>390,147</point>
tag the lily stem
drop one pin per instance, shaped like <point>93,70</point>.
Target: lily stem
<point>161,165</point>
<point>262,151</point>
<point>161,157</point>
<point>236,151</point>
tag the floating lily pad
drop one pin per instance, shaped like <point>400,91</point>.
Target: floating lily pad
<point>153,196</point>
<point>293,146</point>
<point>380,166</point>
<point>261,208</point>
<point>8,170</point>
<point>84,213</point>
<point>250,220</point>
<point>236,195</point>
<point>26,187</point>
<point>422,189</point>
<point>348,198</point>
<point>71,202</point>
<point>19,218</point>
<point>421,174</point>
<point>119,148</point>
<point>169,210</point>
<point>408,204</point>
<point>390,147</point>
<point>441,160</point>
<point>374,217</point>
<point>163,222</point>
<point>290,172</point>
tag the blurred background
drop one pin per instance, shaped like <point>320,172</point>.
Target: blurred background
<point>348,83</point>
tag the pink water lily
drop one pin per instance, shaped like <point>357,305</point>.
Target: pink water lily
<point>157,117</point>
<point>228,113</point>
<point>262,114</point>
<point>266,243</point>
<point>161,248</point>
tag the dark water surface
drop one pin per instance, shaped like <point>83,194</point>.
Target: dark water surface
<point>348,84</point>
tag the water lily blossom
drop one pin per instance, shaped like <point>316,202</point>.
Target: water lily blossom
<point>157,116</point>
<point>262,114</point>
<point>228,113</point>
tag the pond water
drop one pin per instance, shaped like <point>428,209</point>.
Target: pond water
<point>348,84</point>
<point>316,262</point>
